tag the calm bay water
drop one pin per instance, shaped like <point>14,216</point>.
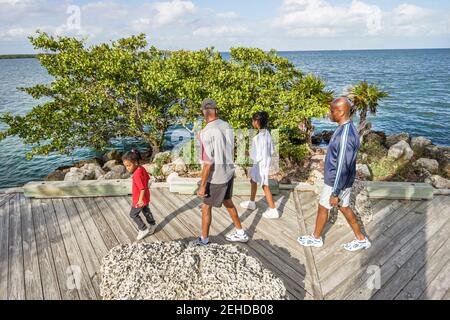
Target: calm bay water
<point>418,82</point>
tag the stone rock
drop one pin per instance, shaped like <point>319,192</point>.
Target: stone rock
<point>326,135</point>
<point>92,171</point>
<point>110,164</point>
<point>430,165</point>
<point>167,156</point>
<point>418,144</point>
<point>179,166</point>
<point>96,161</point>
<point>55,176</point>
<point>120,169</point>
<point>113,155</point>
<point>363,172</point>
<point>438,182</point>
<point>396,138</point>
<point>316,139</point>
<point>285,180</point>
<point>126,175</point>
<point>378,137</point>
<point>174,271</point>
<point>75,174</point>
<point>445,168</point>
<point>112,175</point>
<point>167,169</point>
<point>401,150</point>
<point>318,157</point>
<point>150,167</point>
<point>240,173</point>
<point>172,176</point>
<point>315,176</point>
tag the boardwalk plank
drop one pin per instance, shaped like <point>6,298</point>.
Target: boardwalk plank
<point>81,276</point>
<point>85,245</point>
<point>33,284</point>
<point>16,276</point>
<point>386,244</point>
<point>4,251</point>
<point>108,236</point>
<point>49,277</point>
<point>60,256</point>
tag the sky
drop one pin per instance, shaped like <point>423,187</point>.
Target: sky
<point>284,25</point>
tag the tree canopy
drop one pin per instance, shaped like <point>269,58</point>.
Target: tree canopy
<point>127,89</point>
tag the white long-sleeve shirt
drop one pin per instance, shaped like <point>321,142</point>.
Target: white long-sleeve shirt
<point>261,153</point>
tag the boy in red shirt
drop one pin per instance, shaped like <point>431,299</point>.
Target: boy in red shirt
<point>140,194</point>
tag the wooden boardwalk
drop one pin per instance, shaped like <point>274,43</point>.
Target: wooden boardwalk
<point>44,242</point>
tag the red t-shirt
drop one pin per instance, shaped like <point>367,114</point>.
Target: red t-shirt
<point>140,182</point>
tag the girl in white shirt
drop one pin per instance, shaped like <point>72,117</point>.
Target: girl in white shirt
<point>261,153</point>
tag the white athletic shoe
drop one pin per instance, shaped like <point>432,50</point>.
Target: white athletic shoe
<point>249,205</point>
<point>271,213</point>
<point>142,234</point>
<point>310,241</point>
<point>235,237</point>
<point>356,245</point>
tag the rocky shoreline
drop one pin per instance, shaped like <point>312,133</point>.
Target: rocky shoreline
<point>397,157</point>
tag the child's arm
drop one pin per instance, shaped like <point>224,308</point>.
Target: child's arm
<point>140,203</point>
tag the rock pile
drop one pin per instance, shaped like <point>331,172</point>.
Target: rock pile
<point>174,271</point>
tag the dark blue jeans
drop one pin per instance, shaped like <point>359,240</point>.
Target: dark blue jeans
<point>134,214</point>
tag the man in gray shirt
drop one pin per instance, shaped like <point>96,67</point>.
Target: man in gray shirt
<point>216,187</point>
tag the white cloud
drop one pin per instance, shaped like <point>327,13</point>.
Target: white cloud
<point>168,12</point>
<point>321,18</point>
<point>228,15</point>
<point>229,31</point>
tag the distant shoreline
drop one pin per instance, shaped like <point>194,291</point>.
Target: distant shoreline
<point>18,56</point>
<point>31,56</point>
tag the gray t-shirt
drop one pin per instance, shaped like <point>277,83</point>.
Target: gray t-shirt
<point>218,145</point>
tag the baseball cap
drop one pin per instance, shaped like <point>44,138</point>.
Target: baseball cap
<point>209,104</point>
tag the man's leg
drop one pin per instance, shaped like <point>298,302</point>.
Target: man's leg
<point>233,213</point>
<point>206,220</point>
<point>321,221</point>
<point>353,222</point>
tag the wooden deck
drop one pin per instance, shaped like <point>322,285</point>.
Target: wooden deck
<point>43,241</point>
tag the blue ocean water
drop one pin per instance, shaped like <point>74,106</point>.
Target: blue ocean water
<point>418,82</point>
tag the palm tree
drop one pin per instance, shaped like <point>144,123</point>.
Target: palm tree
<point>365,98</point>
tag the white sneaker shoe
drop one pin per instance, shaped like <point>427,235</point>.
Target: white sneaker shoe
<point>249,205</point>
<point>310,241</point>
<point>356,245</point>
<point>236,237</point>
<point>271,213</point>
<point>142,234</point>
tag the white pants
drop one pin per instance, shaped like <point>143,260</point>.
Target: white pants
<point>344,197</point>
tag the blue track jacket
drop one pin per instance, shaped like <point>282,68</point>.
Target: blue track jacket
<point>340,161</point>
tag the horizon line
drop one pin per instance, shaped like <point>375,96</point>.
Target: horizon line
<point>308,50</point>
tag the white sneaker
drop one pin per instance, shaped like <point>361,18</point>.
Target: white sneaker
<point>310,241</point>
<point>236,237</point>
<point>142,234</point>
<point>271,213</point>
<point>249,205</point>
<point>356,245</point>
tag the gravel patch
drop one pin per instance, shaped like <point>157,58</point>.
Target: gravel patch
<point>174,271</point>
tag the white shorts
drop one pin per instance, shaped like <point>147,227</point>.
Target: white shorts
<point>344,197</point>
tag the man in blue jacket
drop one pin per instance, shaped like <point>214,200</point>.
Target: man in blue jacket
<point>340,172</point>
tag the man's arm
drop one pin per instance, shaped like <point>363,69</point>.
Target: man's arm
<point>205,174</point>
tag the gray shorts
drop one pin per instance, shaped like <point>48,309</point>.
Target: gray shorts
<point>216,194</point>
